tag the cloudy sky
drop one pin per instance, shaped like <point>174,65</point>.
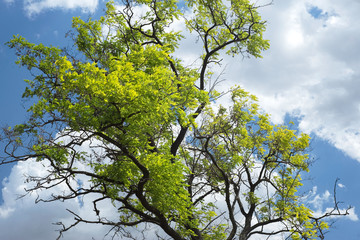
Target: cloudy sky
<point>310,75</point>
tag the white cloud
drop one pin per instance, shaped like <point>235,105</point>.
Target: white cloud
<point>33,7</point>
<point>22,217</point>
<point>319,200</point>
<point>311,71</point>
<point>320,204</point>
<point>352,216</point>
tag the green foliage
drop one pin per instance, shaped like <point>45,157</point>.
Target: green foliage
<point>166,151</point>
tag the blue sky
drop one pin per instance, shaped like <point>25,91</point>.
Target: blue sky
<point>311,75</point>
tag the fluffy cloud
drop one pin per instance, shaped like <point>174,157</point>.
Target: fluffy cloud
<point>33,7</point>
<point>324,203</point>
<point>19,216</point>
<point>311,70</point>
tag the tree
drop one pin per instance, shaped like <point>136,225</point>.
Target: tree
<point>161,149</point>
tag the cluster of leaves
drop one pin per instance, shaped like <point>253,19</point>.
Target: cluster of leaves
<point>165,157</point>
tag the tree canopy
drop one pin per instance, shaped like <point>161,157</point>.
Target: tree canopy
<point>161,148</point>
